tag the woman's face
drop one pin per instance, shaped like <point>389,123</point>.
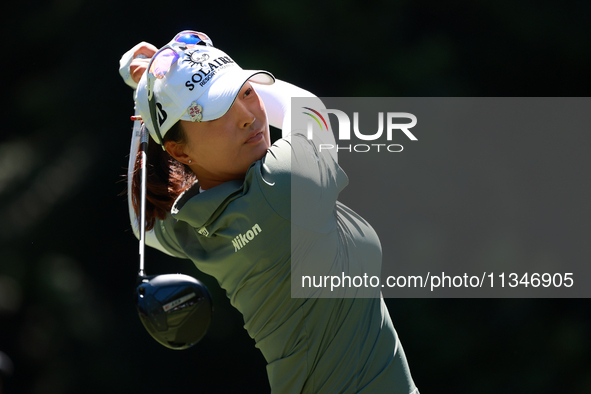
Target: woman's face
<point>221,150</point>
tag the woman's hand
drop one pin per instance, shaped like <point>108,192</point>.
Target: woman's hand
<point>142,53</point>
<point>134,62</point>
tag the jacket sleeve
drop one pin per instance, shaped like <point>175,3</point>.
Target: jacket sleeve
<point>277,99</point>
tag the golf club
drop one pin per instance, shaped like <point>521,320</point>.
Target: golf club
<point>175,309</point>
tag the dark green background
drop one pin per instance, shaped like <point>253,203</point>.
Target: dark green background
<point>68,259</point>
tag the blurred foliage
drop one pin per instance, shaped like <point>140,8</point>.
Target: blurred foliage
<point>68,259</point>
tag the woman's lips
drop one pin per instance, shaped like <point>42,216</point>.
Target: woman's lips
<point>256,137</point>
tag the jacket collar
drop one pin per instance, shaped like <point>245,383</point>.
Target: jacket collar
<point>197,208</point>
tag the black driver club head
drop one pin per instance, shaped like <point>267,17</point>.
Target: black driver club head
<point>175,309</point>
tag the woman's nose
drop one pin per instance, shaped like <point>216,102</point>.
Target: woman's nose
<point>248,123</point>
<point>246,118</point>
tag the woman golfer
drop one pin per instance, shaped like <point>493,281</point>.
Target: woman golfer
<point>249,213</point>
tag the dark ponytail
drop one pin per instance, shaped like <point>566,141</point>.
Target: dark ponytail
<point>166,178</point>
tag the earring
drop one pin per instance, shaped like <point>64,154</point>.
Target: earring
<point>189,161</point>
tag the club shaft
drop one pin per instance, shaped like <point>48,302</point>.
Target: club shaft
<point>143,153</point>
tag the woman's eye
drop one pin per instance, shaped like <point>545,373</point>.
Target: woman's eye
<point>248,92</point>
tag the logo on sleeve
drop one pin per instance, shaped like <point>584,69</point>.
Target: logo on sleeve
<point>243,239</point>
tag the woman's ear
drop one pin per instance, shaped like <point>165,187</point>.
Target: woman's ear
<point>177,151</point>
